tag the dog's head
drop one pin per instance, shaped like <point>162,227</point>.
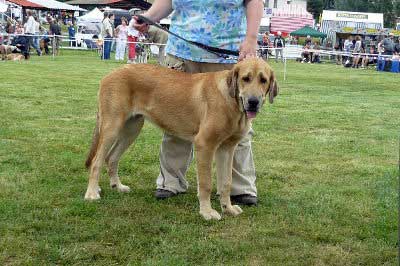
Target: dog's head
<point>250,81</point>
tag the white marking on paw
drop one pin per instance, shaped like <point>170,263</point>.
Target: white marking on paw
<point>233,210</point>
<point>210,214</point>
<point>92,195</point>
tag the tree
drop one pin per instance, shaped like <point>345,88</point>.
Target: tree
<point>315,7</point>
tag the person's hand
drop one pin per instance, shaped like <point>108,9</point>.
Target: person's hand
<point>142,27</point>
<point>248,49</point>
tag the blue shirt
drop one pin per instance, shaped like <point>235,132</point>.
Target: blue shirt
<point>71,31</point>
<point>219,24</point>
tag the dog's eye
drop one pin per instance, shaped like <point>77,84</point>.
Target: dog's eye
<point>246,79</point>
<point>263,80</point>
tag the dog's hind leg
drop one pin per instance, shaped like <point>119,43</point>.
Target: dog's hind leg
<point>109,131</point>
<point>224,161</point>
<point>126,137</point>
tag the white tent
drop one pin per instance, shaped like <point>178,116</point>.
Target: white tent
<point>3,7</point>
<point>93,16</point>
<point>52,4</point>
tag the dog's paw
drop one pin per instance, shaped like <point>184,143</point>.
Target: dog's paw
<point>210,214</point>
<point>233,210</point>
<point>121,188</point>
<point>92,195</point>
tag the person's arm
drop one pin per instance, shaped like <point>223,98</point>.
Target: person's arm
<point>254,13</point>
<point>159,10</point>
<point>109,29</point>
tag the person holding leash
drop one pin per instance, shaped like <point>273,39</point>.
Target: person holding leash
<point>231,25</point>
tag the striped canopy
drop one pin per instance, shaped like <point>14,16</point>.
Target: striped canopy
<point>288,24</point>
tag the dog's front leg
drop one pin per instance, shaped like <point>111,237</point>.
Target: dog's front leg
<point>224,161</point>
<point>204,158</point>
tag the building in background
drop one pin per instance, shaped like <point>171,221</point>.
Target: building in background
<point>338,25</point>
<point>285,16</point>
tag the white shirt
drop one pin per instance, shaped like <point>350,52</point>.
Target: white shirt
<point>106,28</point>
<point>131,30</point>
<point>30,25</point>
<point>37,26</point>
<point>122,32</point>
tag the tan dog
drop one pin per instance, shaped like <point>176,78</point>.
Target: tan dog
<point>213,110</point>
<point>5,50</point>
<point>15,57</point>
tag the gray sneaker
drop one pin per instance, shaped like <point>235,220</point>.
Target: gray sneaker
<point>164,194</point>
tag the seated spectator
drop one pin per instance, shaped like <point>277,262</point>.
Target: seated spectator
<point>338,50</point>
<point>370,58</point>
<point>306,55</point>
<point>22,43</point>
<point>316,57</point>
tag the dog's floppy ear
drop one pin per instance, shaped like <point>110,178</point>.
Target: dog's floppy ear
<point>232,81</point>
<point>273,88</point>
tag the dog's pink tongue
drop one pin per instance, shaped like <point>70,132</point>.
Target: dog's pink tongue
<point>251,114</point>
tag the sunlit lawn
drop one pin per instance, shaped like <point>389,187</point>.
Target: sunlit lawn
<point>326,156</point>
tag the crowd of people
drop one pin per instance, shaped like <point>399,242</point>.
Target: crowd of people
<point>356,54</point>
<point>28,32</point>
<point>128,40</point>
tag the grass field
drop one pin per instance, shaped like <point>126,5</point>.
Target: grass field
<point>326,155</point>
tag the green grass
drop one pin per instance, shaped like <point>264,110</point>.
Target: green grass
<point>326,156</point>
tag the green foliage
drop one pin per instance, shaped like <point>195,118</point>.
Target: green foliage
<point>325,152</point>
<point>391,9</point>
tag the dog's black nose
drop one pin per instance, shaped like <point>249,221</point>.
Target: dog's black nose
<point>253,102</point>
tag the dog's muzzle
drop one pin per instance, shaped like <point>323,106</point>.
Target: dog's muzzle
<point>251,106</point>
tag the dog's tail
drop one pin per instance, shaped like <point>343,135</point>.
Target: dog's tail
<point>95,143</point>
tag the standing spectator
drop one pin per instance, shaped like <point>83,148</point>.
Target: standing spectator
<point>279,44</point>
<point>206,26</point>
<point>55,30</point>
<point>266,43</point>
<point>156,35</point>
<point>308,40</point>
<point>45,39</point>
<point>71,33</point>
<point>107,34</point>
<point>388,44</point>
<point>36,39</point>
<point>30,28</point>
<point>347,46</point>
<point>121,33</point>
<point>397,46</point>
<point>356,51</point>
<point>133,36</point>
<point>10,29</point>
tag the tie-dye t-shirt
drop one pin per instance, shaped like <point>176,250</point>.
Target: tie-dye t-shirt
<point>214,23</point>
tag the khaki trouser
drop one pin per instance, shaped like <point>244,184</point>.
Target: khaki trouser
<point>176,154</point>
